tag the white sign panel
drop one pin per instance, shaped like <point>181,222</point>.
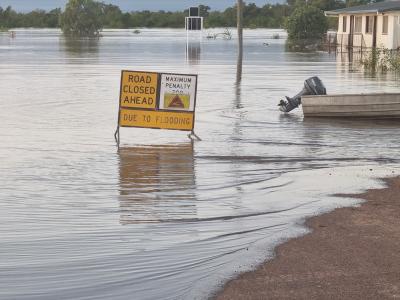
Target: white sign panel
<point>178,92</point>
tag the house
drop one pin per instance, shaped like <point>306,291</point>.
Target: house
<point>375,25</point>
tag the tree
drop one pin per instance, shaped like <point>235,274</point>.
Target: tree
<point>306,23</point>
<point>8,18</point>
<point>52,18</point>
<point>204,10</point>
<point>322,4</point>
<point>93,16</point>
<point>360,2</point>
<point>112,16</point>
<point>82,18</point>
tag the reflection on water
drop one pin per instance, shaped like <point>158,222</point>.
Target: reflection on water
<point>238,82</point>
<point>193,51</point>
<point>161,218</point>
<point>78,46</point>
<point>157,183</point>
<point>367,124</point>
<point>238,96</point>
<point>352,62</point>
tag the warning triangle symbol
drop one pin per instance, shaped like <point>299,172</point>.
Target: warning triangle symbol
<point>176,102</point>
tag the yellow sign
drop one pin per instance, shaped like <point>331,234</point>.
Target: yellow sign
<point>156,119</point>
<point>155,100</point>
<point>139,89</point>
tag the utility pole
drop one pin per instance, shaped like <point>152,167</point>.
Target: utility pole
<point>240,38</point>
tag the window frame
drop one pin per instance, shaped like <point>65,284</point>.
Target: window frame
<point>383,25</point>
<point>358,18</point>
<point>344,24</point>
<point>369,20</point>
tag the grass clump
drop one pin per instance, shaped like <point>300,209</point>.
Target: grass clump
<point>381,60</point>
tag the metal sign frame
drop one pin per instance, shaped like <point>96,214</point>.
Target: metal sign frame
<point>157,105</point>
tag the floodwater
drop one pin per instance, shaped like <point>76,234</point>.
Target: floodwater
<point>163,217</point>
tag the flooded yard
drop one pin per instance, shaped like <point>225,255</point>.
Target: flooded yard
<point>163,217</point>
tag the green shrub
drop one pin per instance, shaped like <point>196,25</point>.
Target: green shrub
<point>306,23</point>
<point>82,18</point>
<point>381,60</point>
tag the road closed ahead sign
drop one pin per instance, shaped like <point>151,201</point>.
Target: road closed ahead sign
<point>139,90</point>
<point>157,100</point>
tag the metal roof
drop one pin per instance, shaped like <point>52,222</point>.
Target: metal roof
<point>373,8</point>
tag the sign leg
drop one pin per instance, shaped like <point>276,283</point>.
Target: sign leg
<point>193,136</point>
<point>116,136</point>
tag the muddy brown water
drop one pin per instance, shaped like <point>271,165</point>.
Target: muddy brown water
<point>164,218</point>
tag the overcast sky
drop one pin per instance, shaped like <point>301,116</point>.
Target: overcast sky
<point>129,5</point>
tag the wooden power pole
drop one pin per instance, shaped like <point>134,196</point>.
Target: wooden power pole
<point>240,38</point>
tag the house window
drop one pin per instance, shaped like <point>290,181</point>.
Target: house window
<point>344,24</point>
<point>385,21</point>
<point>357,24</point>
<point>369,24</point>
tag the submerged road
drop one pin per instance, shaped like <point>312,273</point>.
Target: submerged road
<point>161,217</point>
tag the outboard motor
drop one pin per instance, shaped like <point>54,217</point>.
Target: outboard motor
<point>312,86</point>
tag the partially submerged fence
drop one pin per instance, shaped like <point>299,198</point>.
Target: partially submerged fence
<point>344,42</point>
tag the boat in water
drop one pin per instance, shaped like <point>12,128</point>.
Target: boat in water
<point>380,105</point>
<point>316,103</point>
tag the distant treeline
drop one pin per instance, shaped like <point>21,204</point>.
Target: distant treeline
<point>267,16</point>
<point>37,18</point>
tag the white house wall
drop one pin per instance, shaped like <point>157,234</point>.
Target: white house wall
<point>396,30</point>
<point>393,32</point>
<point>390,36</point>
<point>391,40</point>
<point>340,25</point>
<point>382,39</point>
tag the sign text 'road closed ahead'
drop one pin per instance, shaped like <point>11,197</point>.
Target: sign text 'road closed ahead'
<point>139,89</point>
<point>157,100</point>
